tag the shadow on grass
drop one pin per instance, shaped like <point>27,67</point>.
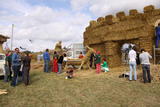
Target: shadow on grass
<point>33,78</point>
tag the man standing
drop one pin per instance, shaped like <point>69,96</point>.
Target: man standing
<point>60,61</point>
<point>157,35</point>
<point>16,65</point>
<point>144,58</point>
<point>132,63</point>
<point>9,63</point>
<point>46,58</point>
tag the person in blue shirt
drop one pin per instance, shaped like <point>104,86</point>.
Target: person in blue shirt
<point>46,58</point>
<point>157,35</point>
<point>16,65</point>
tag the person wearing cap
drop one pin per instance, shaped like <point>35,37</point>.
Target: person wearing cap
<point>98,62</point>
<point>132,63</point>
<point>157,35</point>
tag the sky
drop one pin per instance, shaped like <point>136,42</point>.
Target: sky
<point>39,24</point>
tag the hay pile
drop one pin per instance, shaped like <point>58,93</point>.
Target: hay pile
<point>3,91</point>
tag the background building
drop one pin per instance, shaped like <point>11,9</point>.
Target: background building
<point>75,49</point>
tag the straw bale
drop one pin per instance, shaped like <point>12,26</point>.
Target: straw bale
<point>100,19</point>
<point>109,19</point>
<point>121,15</point>
<point>133,12</point>
<point>93,23</point>
<point>149,8</point>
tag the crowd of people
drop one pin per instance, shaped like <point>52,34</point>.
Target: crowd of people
<point>57,61</point>
<point>17,67</point>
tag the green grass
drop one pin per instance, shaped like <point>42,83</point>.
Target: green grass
<point>87,89</point>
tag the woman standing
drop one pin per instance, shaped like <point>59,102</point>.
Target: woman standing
<point>26,68</point>
<point>55,62</point>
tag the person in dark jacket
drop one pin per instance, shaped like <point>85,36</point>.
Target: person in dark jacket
<point>92,58</point>
<point>26,68</point>
<point>157,35</point>
<point>60,61</point>
<point>98,62</point>
<point>9,63</point>
<point>16,65</point>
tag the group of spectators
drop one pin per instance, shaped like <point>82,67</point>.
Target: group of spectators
<point>55,65</point>
<point>17,66</point>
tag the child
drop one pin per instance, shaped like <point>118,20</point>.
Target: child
<point>69,72</point>
<point>104,66</point>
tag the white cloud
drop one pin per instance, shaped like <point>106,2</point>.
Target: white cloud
<point>105,7</point>
<point>44,25</point>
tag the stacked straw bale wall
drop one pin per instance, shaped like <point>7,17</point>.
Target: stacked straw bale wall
<point>108,34</point>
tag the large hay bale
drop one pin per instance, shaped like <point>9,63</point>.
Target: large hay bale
<point>93,23</point>
<point>109,19</point>
<point>148,9</point>
<point>121,15</point>
<point>100,19</point>
<point>133,12</point>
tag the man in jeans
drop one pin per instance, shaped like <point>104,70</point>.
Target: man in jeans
<point>16,65</point>
<point>60,61</point>
<point>46,58</point>
<point>144,58</point>
<point>132,63</point>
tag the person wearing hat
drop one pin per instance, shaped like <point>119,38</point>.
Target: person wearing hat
<point>157,34</point>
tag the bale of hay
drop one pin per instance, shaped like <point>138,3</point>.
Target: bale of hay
<point>93,23</point>
<point>148,9</point>
<point>100,19</point>
<point>109,19</point>
<point>121,15</point>
<point>133,12</point>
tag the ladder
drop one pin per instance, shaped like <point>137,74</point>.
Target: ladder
<point>155,54</point>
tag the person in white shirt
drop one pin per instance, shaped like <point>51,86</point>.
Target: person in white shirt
<point>132,63</point>
<point>144,58</point>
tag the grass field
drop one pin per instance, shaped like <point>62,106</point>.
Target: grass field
<point>87,89</point>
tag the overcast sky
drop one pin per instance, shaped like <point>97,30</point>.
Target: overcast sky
<point>39,24</point>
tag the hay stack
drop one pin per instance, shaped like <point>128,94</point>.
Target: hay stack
<point>93,23</point>
<point>109,19</point>
<point>148,9</point>
<point>100,19</point>
<point>133,12</point>
<point>121,16</point>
